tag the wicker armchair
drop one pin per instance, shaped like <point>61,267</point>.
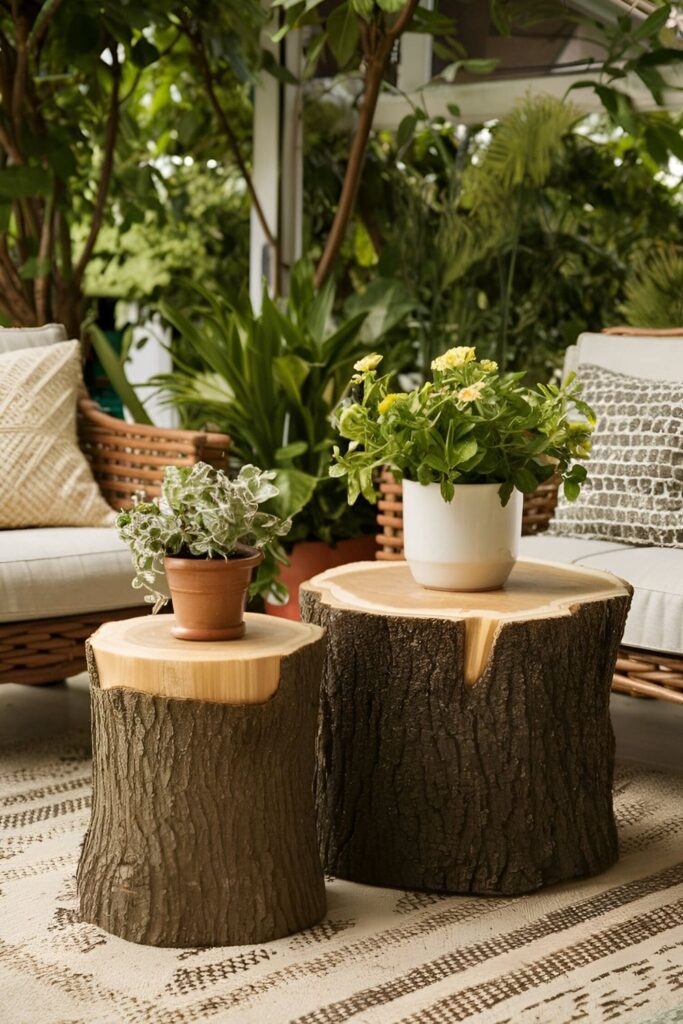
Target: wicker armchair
<point>638,673</point>
<point>125,459</point>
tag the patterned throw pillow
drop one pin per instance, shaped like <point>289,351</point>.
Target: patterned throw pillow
<point>46,478</point>
<point>634,491</point>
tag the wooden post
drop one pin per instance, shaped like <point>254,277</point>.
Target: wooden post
<point>203,824</point>
<point>465,743</point>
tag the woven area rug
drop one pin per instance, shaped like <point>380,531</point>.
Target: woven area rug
<point>606,949</point>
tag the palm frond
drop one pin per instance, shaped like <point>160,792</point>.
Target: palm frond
<point>654,288</point>
<point>517,158</point>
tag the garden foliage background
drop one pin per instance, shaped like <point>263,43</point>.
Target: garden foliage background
<point>125,175</point>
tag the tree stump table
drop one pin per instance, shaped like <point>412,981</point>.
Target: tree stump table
<point>465,744</point>
<point>203,822</point>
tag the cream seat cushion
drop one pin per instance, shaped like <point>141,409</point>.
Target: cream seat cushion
<point>13,338</point>
<point>47,573</point>
<point>46,478</point>
<point>646,357</point>
<point>655,621</point>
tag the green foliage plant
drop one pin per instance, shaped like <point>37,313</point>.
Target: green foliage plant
<point>361,36</point>
<point>654,288</point>
<point>95,95</point>
<point>201,513</point>
<point>271,380</point>
<point>579,236</point>
<point>629,49</point>
<point>470,425</point>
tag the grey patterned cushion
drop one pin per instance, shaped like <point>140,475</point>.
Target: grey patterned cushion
<point>634,491</point>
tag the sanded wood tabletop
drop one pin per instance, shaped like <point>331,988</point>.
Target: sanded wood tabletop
<point>141,654</point>
<point>534,590</point>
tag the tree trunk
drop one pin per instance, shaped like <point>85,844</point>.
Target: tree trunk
<point>203,823</point>
<point>427,781</point>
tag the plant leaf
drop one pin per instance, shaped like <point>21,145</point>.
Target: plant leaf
<point>116,374</point>
<point>16,182</point>
<point>342,33</point>
<point>652,24</point>
<point>296,490</point>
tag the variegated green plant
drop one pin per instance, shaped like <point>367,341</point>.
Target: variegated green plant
<point>201,513</point>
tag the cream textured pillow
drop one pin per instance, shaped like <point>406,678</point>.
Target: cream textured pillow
<point>634,491</point>
<point>46,479</point>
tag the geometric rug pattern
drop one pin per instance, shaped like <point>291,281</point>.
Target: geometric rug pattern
<point>607,949</point>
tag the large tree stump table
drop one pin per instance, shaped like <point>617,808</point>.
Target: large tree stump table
<point>203,822</point>
<point>464,742</point>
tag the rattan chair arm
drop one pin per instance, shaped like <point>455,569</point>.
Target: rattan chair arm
<point>645,332</point>
<point>129,458</point>
<point>92,412</point>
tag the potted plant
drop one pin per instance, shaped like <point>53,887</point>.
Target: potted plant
<point>271,380</point>
<point>467,446</point>
<point>207,534</point>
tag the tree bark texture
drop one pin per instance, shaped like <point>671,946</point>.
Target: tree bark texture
<point>203,822</point>
<point>425,782</point>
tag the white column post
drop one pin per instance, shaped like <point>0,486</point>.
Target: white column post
<point>292,161</point>
<point>265,174</point>
<point>415,63</point>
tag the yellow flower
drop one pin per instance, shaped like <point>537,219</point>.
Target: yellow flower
<point>488,365</point>
<point>471,393</point>
<point>454,358</point>
<point>387,402</point>
<point>368,363</point>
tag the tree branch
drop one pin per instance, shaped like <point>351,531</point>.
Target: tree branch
<point>11,285</point>
<point>378,49</point>
<point>64,239</point>
<point>42,23</point>
<point>41,284</point>
<point>21,67</point>
<point>106,171</point>
<point>233,142</point>
<point>9,147</point>
<point>403,20</point>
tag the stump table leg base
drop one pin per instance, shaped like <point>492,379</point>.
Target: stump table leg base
<point>498,788</point>
<point>203,823</point>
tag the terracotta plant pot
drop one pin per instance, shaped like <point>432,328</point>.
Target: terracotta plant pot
<point>308,558</point>
<point>209,594</point>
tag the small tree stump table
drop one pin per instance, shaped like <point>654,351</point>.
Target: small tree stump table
<point>465,743</point>
<point>203,822</point>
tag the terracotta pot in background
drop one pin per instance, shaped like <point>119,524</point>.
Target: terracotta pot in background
<point>209,594</point>
<point>310,557</point>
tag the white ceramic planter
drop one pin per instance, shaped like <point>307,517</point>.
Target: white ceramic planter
<point>470,543</point>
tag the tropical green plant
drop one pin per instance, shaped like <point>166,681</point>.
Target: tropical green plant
<point>472,424</point>
<point>654,288</point>
<point>198,230</point>
<point>271,381</point>
<point>93,95</point>
<point>361,36</point>
<point>504,176</point>
<point>581,229</point>
<point>201,513</point>
<point>467,205</point>
<point>629,48</point>
<point>113,365</point>
<point>646,50</point>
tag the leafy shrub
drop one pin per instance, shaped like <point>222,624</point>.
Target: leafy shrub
<point>470,425</point>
